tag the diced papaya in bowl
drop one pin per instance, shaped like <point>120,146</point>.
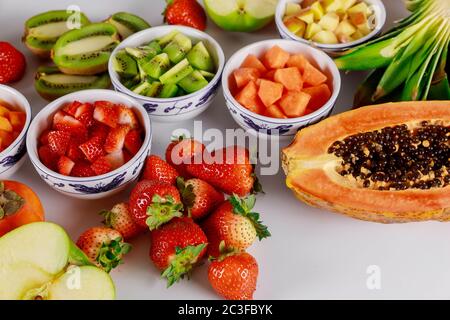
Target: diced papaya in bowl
<point>248,97</point>
<point>313,76</point>
<point>274,111</point>
<point>276,58</point>
<point>252,61</point>
<point>290,78</point>
<point>242,76</point>
<point>298,61</point>
<point>319,96</point>
<point>269,92</point>
<point>294,103</point>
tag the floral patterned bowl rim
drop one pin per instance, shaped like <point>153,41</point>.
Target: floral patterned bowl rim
<point>298,46</point>
<point>380,13</point>
<point>25,106</point>
<point>92,93</point>
<point>159,31</point>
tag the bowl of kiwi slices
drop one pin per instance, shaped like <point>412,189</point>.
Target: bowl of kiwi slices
<point>174,71</point>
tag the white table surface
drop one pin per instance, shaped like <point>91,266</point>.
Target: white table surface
<point>312,254</point>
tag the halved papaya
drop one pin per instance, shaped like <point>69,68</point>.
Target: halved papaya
<point>387,163</point>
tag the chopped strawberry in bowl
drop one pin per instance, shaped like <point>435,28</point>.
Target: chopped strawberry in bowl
<point>90,144</point>
<point>15,118</point>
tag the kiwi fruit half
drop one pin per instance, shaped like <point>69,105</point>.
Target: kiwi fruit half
<point>127,23</point>
<point>43,30</point>
<point>51,84</point>
<point>85,51</point>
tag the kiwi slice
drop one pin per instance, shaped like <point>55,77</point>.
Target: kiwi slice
<point>163,41</point>
<point>154,45</point>
<point>85,51</point>
<point>200,58</point>
<point>142,88</point>
<point>142,55</point>
<point>193,82</point>
<point>51,84</point>
<point>168,91</point>
<point>178,72</point>
<point>157,66</point>
<point>177,48</point>
<point>127,24</point>
<point>208,75</point>
<point>125,65</point>
<point>131,82</point>
<point>43,30</point>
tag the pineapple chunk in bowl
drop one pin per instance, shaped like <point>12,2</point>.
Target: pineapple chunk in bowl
<point>331,25</point>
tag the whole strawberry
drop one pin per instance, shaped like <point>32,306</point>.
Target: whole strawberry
<point>176,247</point>
<point>12,63</point>
<point>103,246</point>
<point>182,151</point>
<point>153,203</point>
<point>234,224</point>
<point>119,218</point>
<point>199,197</point>
<point>158,169</point>
<point>227,169</point>
<point>234,276</point>
<point>185,12</point>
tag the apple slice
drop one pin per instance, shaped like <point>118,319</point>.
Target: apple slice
<point>35,256</point>
<point>241,15</point>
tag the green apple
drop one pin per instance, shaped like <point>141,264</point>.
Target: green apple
<point>241,15</point>
<point>39,261</point>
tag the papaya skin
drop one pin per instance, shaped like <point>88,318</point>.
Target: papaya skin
<point>312,176</point>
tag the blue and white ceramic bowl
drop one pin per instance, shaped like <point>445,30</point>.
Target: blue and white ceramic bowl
<point>92,187</point>
<point>12,158</point>
<point>263,125</point>
<point>380,20</point>
<point>177,108</point>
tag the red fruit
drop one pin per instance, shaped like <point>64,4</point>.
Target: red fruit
<point>185,12</point>
<point>65,165</point>
<point>82,169</point>
<point>128,117</point>
<point>100,130</point>
<point>43,138</point>
<point>12,63</point>
<point>153,203</point>
<point>227,169</point>
<point>126,156</point>
<point>58,141</point>
<point>234,224</point>
<point>176,247</point>
<point>47,157</point>
<point>158,169</point>
<point>133,141</point>
<point>119,219</point>
<point>101,166</point>
<point>183,151</point>
<point>71,108</point>
<point>234,276</point>
<point>73,152</point>
<point>103,246</point>
<point>107,113</point>
<point>199,197</point>
<point>116,139</point>
<point>115,159</point>
<point>92,149</point>
<point>85,114</point>
<point>64,122</point>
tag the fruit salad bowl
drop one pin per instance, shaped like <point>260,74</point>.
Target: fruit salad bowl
<point>267,126</point>
<point>379,13</point>
<point>13,156</point>
<point>99,186</point>
<point>181,107</point>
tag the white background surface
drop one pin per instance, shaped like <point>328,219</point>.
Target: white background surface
<point>312,254</point>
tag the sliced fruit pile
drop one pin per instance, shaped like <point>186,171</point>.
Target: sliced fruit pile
<point>90,139</point>
<point>330,21</point>
<point>166,67</point>
<point>79,49</point>
<point>181,201</point>
<point>12,122</point>
<point>280,85</point>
